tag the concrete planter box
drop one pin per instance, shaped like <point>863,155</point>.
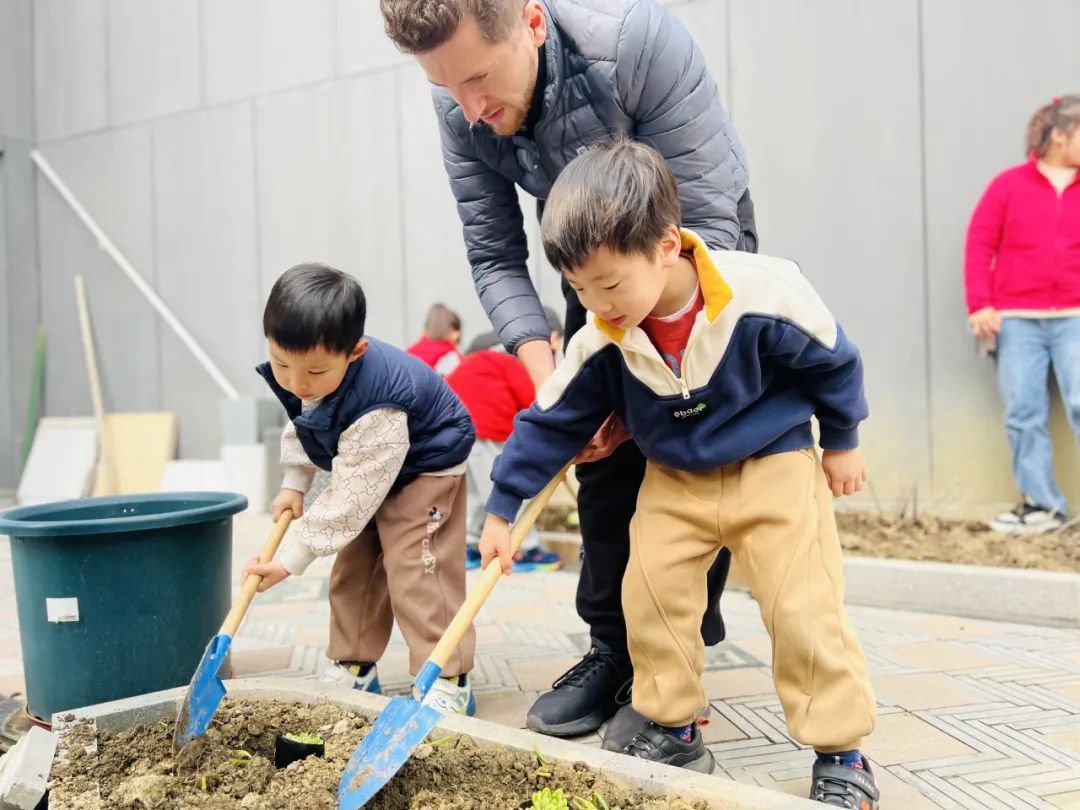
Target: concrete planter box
<point>661,780</point>
<point>973,591</point>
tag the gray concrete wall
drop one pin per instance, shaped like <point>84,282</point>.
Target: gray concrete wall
<point>219,143</point>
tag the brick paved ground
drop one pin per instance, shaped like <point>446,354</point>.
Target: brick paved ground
<point>972,714</point>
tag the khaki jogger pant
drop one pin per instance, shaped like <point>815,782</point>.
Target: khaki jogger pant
<point>775,515</point>
<point>408,564</point>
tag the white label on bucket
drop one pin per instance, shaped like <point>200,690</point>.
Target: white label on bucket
<point>62,610</point>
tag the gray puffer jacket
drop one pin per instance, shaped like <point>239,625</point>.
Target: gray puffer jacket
<point>614,67</point>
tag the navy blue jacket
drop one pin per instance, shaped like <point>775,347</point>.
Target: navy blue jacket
<point>440,431</point>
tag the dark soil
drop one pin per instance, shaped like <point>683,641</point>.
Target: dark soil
<point>899,537</point>
<point>234,769</point>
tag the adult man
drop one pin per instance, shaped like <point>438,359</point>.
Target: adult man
<point>521,87</point>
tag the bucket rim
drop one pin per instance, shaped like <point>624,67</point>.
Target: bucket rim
<point>20,521</point>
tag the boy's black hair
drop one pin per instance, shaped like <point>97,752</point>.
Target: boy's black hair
<point>621,195</point>
<point>314,305</point>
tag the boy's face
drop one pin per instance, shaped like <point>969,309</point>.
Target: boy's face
<point>625,288</point>
<point>313,374</point>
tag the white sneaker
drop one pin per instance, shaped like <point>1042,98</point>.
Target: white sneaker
<point>350,677</point>
<point>1028,518</point>
<point>452,696</point>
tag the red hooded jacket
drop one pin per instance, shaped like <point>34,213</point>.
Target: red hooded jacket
<point>1023,244</point>
<point>493,386</point>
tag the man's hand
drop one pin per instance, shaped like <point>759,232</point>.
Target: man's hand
<point>606,441</point>
<point>287,499</point>
<point>538,360</point>
<point>495,542</point>
<point>985,323</point>
<point>845,470</point>
<point>272,572</point>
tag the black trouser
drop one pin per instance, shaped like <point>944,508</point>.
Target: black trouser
<point>607,499</point>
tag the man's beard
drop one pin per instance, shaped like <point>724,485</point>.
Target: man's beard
<point>515,116</point>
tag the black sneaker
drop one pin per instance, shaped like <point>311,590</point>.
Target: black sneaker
<point>840,786</point>
<point>657,745</point>
<point>585,695</point>
<point>628,723</point>
<point>1028,518</point>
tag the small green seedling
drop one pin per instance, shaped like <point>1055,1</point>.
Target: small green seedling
<point>305,739</point>
<point>548,799</point>
<point>241,759</point>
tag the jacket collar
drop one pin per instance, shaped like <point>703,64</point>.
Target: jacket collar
<point>714,289</point>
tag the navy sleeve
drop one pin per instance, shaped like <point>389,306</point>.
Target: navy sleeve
<point>570,408</point>
<point>832,377</point>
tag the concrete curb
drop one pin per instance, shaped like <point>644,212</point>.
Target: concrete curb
<point>663,780</point>
<point>24,770</point>
<point>973,591</point>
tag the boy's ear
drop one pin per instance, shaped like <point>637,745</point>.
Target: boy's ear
<point>671,244</point>
<point>358,350</point>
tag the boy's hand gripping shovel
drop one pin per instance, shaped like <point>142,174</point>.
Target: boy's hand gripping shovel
<point>206,690</point>
<point>406,721</point>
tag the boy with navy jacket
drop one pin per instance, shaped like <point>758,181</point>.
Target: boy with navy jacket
<point>715,362</point>
<point>395,440</point>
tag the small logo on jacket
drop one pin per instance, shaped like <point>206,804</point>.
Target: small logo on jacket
<point>697,410</point>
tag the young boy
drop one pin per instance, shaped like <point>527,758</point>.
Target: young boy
<point>395,440</point>
<point>715,362</point>
<point>438,345</point>
<point>494,386</point>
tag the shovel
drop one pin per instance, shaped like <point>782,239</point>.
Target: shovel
<point>206,690</point>
<point>406,721</point>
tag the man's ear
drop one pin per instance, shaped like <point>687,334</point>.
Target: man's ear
<point>536,22</point>
<point>359,349</point>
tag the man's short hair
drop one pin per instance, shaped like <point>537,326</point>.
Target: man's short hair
<point>620,195</point>
<point>418,26</point>
<point>314,305</point>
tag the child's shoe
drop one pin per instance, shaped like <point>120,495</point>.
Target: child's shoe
<point>472,557</point>
<point>839,785</point>
<point>659,744</point>
<point>536,559</point>
<point>362,677</point>
<point>452,696</point>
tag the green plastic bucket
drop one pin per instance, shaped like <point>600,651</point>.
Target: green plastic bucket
<point>118,596</point>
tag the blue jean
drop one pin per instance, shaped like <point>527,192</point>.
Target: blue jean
<point>1026,350</point>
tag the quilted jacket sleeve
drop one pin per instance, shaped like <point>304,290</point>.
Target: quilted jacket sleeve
<point>494,233</point>
<point>665,87</point>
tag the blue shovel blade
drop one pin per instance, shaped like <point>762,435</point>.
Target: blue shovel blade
<point>204,694</point>
<point>402,725</point>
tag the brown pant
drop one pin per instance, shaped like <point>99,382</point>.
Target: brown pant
<point>775,514</point>
<point>408,564</point>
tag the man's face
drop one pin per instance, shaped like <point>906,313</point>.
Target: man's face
<point>493,82</point>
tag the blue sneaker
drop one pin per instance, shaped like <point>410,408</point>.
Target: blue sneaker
<point>536,559</point>
<point>364,678</point>
<point>472,557</point>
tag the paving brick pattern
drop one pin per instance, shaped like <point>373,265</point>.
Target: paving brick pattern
<point>972,714</point>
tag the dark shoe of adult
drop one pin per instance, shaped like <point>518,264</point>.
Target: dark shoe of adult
<point>658,744</point>
<point>839,785</point>
<point>584,696</point>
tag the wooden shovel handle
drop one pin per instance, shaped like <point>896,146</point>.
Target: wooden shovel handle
<point>491,575</point>
<point>251,584</point>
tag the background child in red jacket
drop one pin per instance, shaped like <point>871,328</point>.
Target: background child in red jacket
<point>494,386</point>
<point>438,346</point>
<point>1022,274</point>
